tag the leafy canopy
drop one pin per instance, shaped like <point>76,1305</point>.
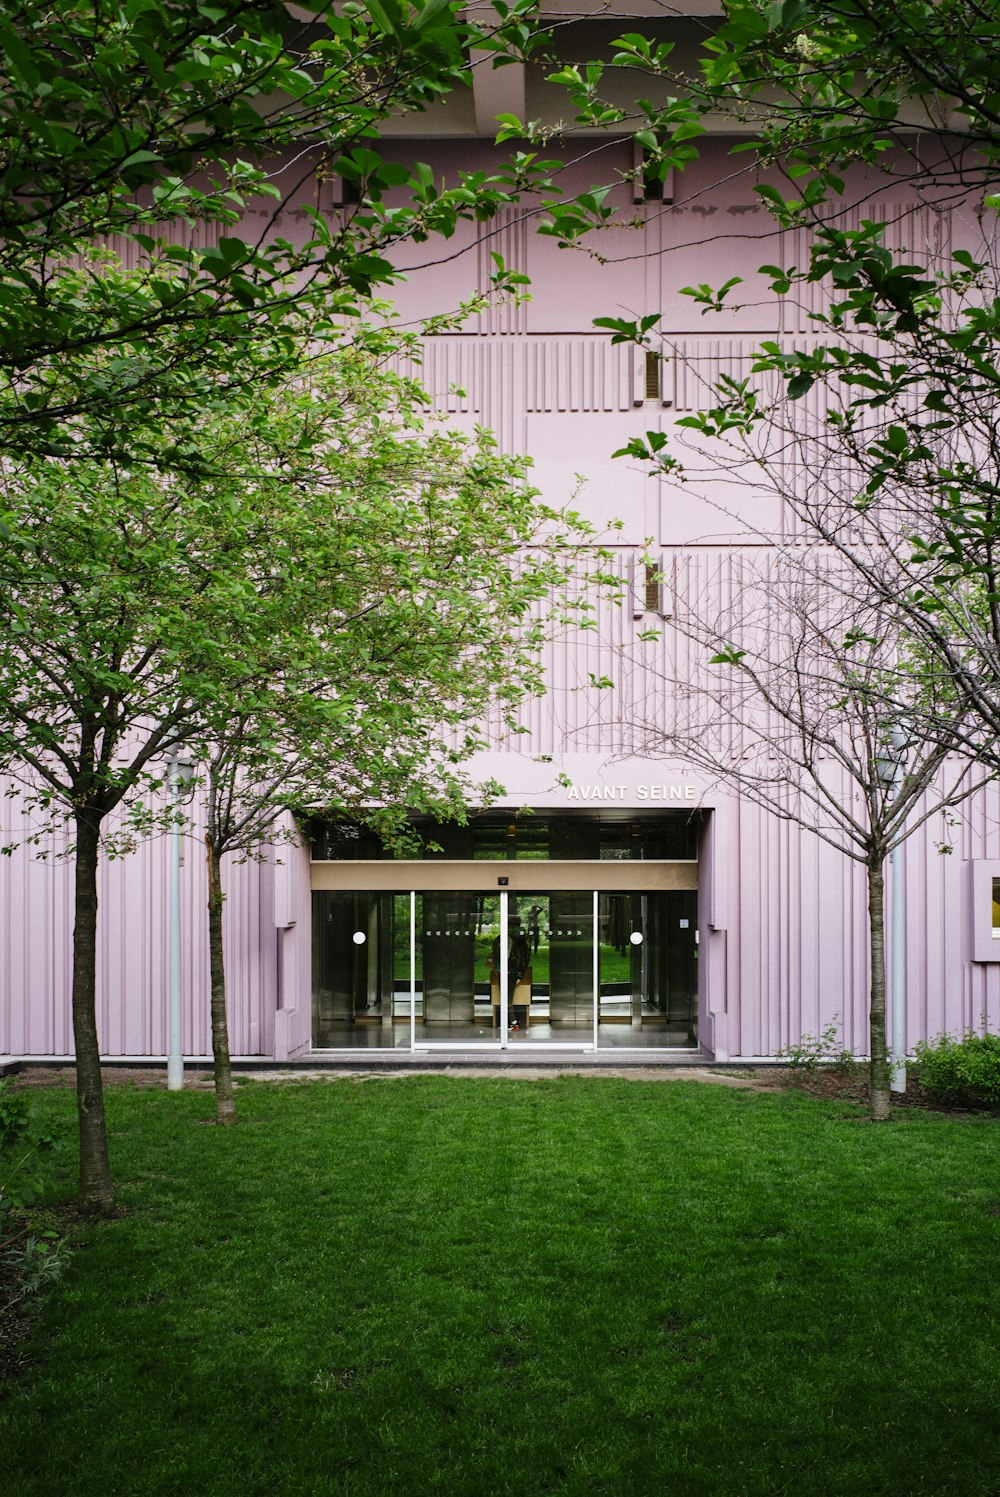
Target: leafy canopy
<point>147,149</point>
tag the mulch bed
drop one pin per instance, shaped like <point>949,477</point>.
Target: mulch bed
<point>831,1084</point>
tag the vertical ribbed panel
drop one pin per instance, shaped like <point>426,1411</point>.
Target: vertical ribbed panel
<point>695,365</point>
<point>508,378</point>
<point>36,922</point>
<point>505,234</point>
<point>576,374</point>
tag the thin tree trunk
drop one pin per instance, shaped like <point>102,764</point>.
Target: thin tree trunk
<point>96,1193</point>
<point>878,1083</point>
<point>225,1103</point>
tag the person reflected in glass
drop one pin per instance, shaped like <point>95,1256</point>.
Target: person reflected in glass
<point>518,966</point>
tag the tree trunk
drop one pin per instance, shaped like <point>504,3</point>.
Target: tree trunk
<point>225,1103</point>
<point>878,1083</point>
<point>96,1193</point>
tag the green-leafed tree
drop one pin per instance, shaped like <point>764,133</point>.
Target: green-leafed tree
<point>804,698</point>
<point>334,569</point>
<point>409,589</point>
<point>147,149</point>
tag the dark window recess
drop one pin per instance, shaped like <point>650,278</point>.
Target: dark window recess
<point>653,371</point>
<point>350,193</point>
<point>581,837</point>
<point>652,179</point>
<point>335,839</point>
<point>576,837</point>
<point>654,589</point>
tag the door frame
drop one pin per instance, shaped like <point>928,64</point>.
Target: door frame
<point>502,1042</point>
<point>505,878</point>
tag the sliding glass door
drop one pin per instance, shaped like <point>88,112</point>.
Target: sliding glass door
<point>464,969</point>
<point>504,970</point>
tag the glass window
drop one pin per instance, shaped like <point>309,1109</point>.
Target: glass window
<point>510,837</point>
<point>996,909</point>
<point>574,838</point>
<point>533,837</point>
<point>619,841</point>
<point>507,839</point>
<point>669,838</point>
<point>447,839</point>
<point>494,840</point>
<point>337,839</point>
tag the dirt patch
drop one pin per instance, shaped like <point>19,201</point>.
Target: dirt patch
<point>145,1078</point>
<point>831,1084</point>
<point>825,1082</point>
<point>519,1073</point>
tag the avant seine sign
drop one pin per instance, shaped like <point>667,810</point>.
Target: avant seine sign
<point>642,792</point>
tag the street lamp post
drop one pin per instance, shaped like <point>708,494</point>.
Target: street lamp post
<point>892,767</point>
<point>178,769</point>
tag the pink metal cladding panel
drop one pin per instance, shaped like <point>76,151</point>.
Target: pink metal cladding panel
<point>782,916</point>
<point>36,961</point>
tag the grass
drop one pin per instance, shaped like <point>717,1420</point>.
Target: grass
<point>466,1286</point>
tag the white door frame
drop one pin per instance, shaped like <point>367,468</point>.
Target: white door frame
<point>502,1043</point>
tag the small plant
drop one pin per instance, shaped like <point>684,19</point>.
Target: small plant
<point>811,1051</point>
<point>23,1141</point>
<point>963,1072</point>
<point>32,1253</point>
<point>847,1065</point>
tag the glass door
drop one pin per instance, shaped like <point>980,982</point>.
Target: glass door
<point>507,970</point>
<point>463,969</point>
<point>456,939</point>
<point>649,969</point>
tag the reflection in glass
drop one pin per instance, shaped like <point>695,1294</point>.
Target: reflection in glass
<point>352,977</point>
<point>449,936</point>
<point>647,963</point>
<point>571,959</point>
<point>593,837</point>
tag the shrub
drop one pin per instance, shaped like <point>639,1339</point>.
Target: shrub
<point>963,1072</point>
<point>811,1051</point>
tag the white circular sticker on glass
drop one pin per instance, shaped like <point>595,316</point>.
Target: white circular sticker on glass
<point>636,938</point>
<point>359,938</point>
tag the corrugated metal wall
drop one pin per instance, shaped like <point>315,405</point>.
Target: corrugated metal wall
<point>36,921</point>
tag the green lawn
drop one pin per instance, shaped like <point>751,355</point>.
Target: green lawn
<point>460,1286</point>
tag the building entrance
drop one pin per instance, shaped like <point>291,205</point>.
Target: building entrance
<point>466,968</point>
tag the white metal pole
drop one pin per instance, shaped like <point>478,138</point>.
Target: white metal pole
<point>897,968</point>
<point>504,968</point>
<point>597,967</point>
<point>413,969</point>
<point>175,1056</point>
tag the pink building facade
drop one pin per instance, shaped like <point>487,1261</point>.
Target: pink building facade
<point>611,899</point>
